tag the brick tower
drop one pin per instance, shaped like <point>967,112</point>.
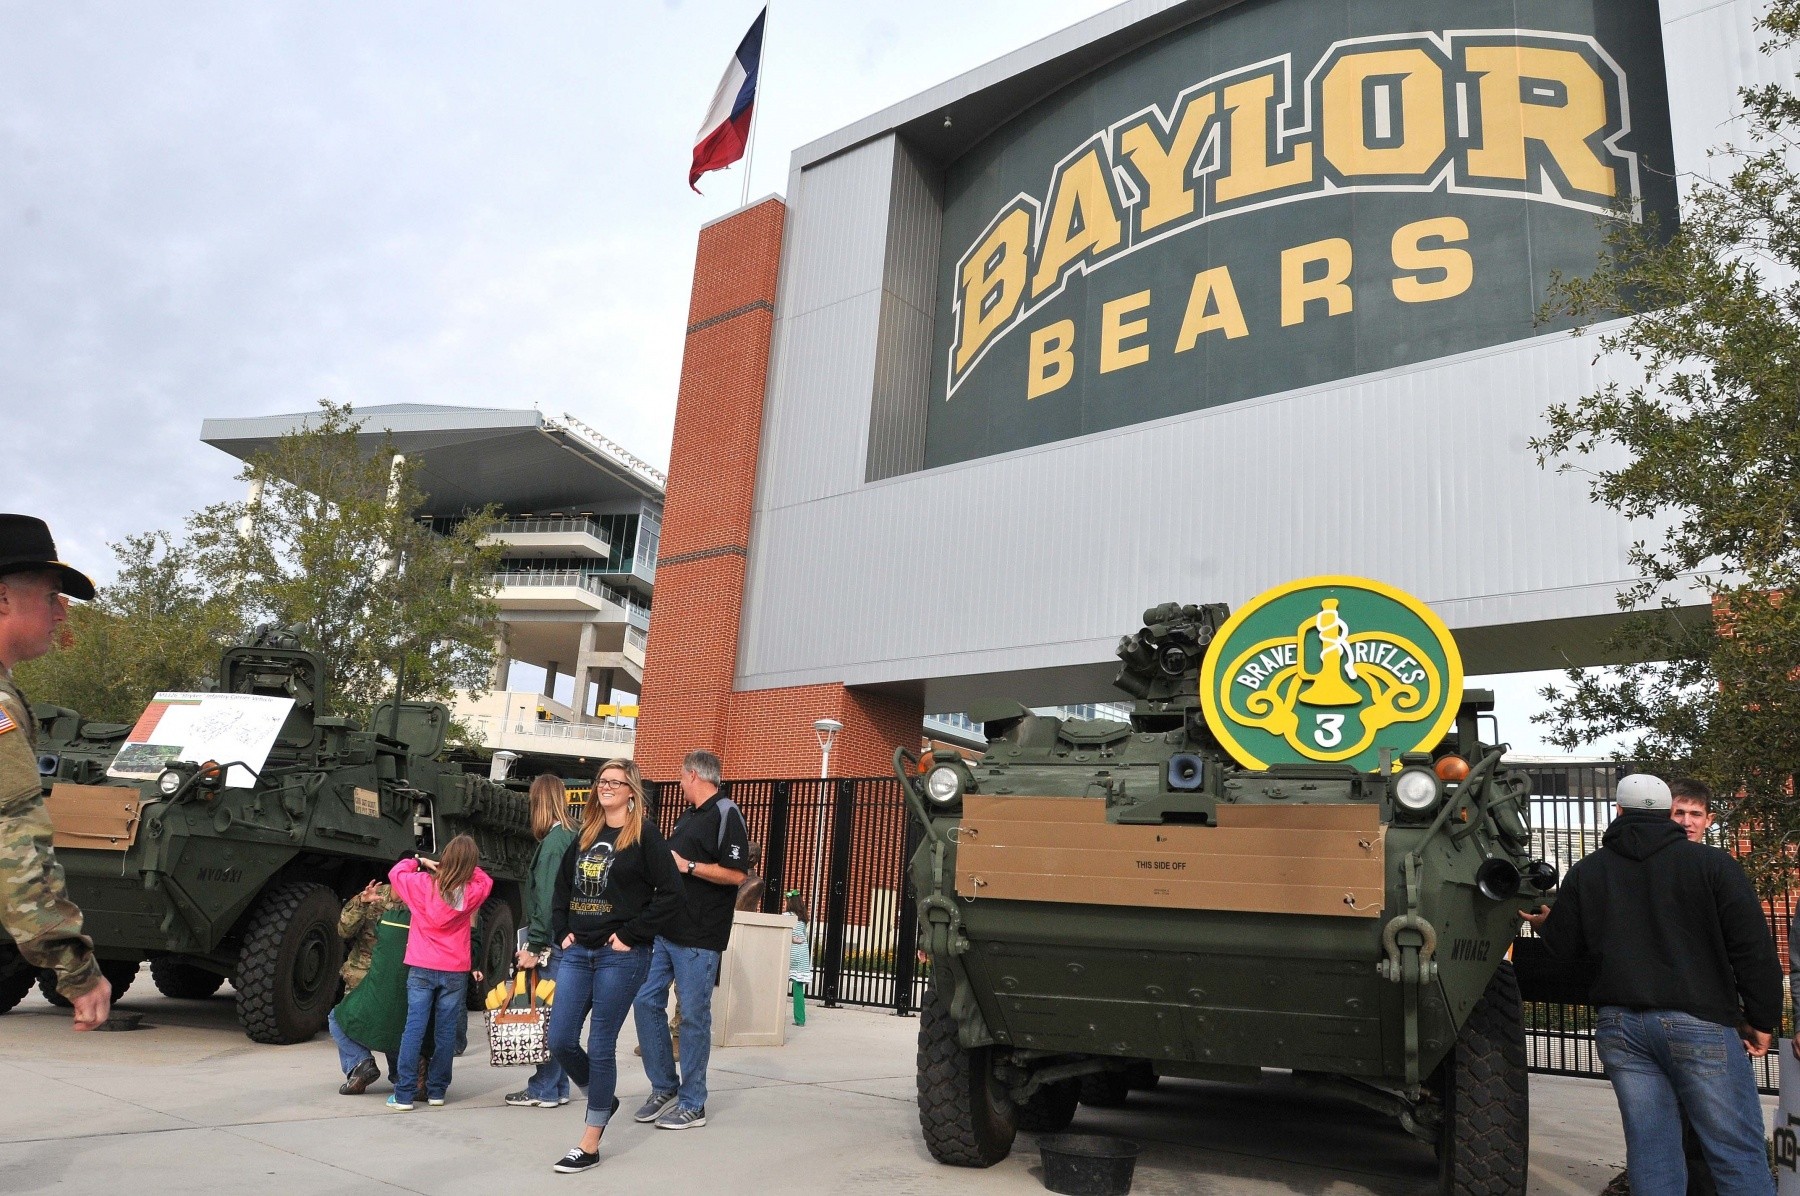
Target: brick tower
<point>688,701</point>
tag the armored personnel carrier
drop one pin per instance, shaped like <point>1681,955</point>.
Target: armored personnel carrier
<point>209,882</point>
<point>1108,903</point>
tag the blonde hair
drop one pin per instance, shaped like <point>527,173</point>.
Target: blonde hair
<point>593,817</point>
<point>455,867</point>
<point>549,804</point>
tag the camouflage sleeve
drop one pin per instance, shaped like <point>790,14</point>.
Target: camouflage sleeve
<point>34,900</point>
<point>355,916</point>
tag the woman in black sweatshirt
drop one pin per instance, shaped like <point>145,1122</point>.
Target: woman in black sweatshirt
<point>615,889</point>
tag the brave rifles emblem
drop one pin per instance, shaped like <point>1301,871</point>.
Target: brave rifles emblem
<point>1330,670</point>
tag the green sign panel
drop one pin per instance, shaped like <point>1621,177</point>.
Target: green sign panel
<point>1331,670</point>
<point>1290,192</point>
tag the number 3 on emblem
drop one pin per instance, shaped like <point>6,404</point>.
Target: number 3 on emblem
<point>1330,730</point>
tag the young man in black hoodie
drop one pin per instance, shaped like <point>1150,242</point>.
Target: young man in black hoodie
<point>1688,990</point>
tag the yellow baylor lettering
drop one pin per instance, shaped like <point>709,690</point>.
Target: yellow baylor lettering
<point>1252,132</point>
<point>1115,330</point>
<point>1081,220</point>
<point>1052,359</point>
<point>1212,289</point>
<point>1415,125</point>
<point>1410,254</point>
<point>993,282</point>
<point>1297,290</point>
<point>1552,97</point>
<point>1169,194</point>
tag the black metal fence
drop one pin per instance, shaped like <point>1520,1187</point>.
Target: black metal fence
<point>1571,806</point>
<point>843,845</point>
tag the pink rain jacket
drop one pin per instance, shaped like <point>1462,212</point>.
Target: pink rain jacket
<point>439,938</point>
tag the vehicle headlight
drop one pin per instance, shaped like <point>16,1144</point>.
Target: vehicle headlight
<point>943,785</point>
<point>167,782</point>
<point>1417,789</point>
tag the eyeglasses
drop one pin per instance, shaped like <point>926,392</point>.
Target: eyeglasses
<point>612,784</point>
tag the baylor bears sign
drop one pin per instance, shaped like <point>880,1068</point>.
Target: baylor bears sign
<point>1331,670</point>
<point>1287,193</point>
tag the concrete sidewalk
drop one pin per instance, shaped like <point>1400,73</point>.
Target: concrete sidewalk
<point>191,1103</point>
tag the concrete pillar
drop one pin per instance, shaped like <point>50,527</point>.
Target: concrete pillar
<point>550,678</point>
<point>584,673</point>
<point>502,657</point>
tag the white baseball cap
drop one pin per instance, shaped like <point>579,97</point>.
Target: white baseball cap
<point>1641,791</point>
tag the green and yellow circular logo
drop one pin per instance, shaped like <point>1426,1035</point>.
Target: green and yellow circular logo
<point>1331,670</point>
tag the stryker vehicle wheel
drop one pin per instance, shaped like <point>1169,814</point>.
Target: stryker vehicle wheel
<point>966,1118</point>
<point>493,959</point>
<point>1486,1112</point>
<point>118,973</point>
<point>288,970</point>
<point>1051,1108</point>
<point>176,977</point>
<point>1105,1089</point>
<point>16,978</point>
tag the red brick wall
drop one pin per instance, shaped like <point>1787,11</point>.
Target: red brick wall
<point>692,655</point>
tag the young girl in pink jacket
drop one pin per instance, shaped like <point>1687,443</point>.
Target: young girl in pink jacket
<point>444,896</point>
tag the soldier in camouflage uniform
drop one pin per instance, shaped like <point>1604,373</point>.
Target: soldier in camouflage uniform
<point>357,925</point>
<point>34,901</point>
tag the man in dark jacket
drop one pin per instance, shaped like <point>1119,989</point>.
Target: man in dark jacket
<point>1688,990</point>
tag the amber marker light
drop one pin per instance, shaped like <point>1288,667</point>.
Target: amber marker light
<point>1451,769</point>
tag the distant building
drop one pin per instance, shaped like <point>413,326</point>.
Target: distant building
<point>581,524</point>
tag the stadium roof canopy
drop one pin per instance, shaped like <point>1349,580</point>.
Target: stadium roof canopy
<point>520,460</point>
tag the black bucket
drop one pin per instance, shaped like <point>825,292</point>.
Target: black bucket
<point>1087,1164</point>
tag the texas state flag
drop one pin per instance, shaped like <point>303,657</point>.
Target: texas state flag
<point>727,123</point>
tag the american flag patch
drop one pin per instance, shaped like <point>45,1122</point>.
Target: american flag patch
<point>6,722</point>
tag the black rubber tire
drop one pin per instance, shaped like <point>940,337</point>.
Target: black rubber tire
<point>119,973</point>
<point>177,978</point>
<point>494,958</point>
<point>1050,1109</point>
<point>16,978</point>
<point>1483,1145</point>
<point>287,970</point>
<point>966,1119</point>
<point>1106,1089</point>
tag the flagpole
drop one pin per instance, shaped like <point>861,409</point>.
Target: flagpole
<point>756,108</point>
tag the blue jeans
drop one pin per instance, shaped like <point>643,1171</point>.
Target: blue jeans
<point>437,997</point>
<point>1663,1063</point>
<point>604,981</point>
<point>549,1081</point>
<point>351,1053</point>
<point>693,971</point>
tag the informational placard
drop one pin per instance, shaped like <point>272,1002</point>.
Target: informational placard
<point>1787,1125</point>
<point>198,727</point>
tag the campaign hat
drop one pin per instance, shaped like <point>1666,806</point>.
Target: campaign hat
<point>25,543</point>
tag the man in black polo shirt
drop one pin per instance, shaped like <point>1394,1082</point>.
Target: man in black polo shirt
<point>711,847</point>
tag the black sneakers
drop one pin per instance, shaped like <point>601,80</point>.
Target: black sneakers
<point>577,1160</point>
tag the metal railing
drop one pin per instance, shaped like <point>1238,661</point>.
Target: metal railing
<point>637,637</point>
<point>635,615</point>
<point>587,732</point>
<point>1571,807</point>
<point>536,525</point>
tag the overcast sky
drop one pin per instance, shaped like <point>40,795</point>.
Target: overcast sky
<point>217,209</point>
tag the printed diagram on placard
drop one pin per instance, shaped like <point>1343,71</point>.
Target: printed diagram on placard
<point>197,727</point>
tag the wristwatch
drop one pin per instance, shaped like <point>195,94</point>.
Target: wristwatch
<point>692,864</point>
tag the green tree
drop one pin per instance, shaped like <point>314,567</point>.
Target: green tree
<point>334,545</point>
<point>1707,446</point>
<point>155,627</point>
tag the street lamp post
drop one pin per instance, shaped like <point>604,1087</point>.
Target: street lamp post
<point>827,731</point>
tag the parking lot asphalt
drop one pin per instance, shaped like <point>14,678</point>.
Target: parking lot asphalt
<point>188,1103</point>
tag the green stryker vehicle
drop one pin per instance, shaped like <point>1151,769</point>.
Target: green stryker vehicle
<point>1105,904</point>
<point>209,883</point>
